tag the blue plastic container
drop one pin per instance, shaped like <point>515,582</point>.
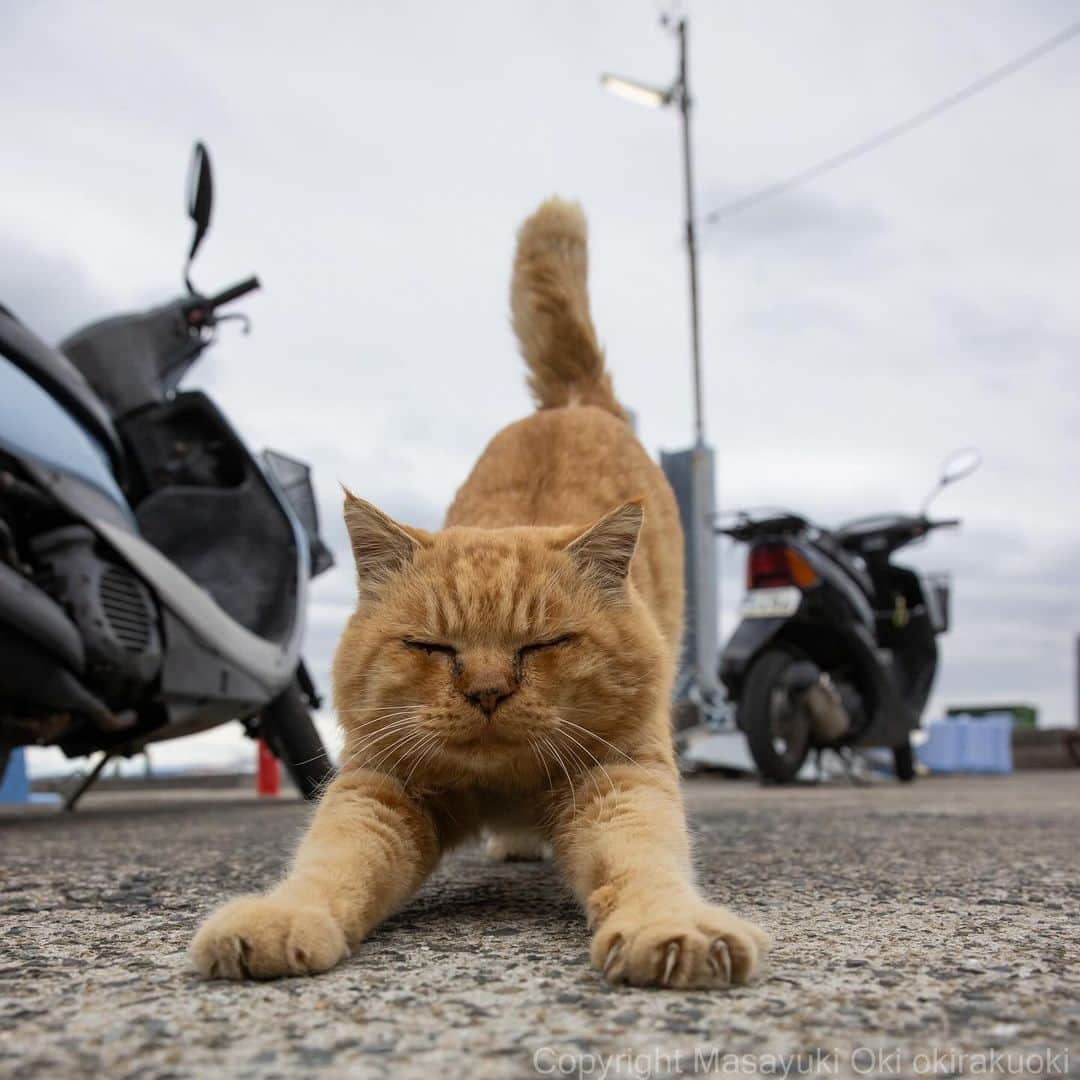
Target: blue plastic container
<point>15,787</point>
<point>988,742</point>
<point>969,744</point>
<point>940,752</point>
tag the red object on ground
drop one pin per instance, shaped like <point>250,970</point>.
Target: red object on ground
<point>267,772</point>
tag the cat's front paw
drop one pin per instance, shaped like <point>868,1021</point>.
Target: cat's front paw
<point>259,937</point>
<point>698,946</point>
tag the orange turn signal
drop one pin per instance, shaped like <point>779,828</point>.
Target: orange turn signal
<point>802,573</point>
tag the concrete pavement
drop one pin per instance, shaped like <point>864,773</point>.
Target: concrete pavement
<point>911,923</point>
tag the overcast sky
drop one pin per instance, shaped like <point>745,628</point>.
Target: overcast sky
<point>373,160</point>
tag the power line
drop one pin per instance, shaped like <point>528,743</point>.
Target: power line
<point>896,130</point>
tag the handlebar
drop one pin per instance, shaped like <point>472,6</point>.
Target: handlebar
<point>234,292</point>
<point>884,535</point>
<point>886,532</point>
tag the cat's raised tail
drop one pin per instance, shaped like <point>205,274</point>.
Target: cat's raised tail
<point>549,302</point>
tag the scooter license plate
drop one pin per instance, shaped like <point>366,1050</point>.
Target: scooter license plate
<point>771,603</point>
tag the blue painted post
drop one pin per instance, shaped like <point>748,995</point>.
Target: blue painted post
<point>15,784</point>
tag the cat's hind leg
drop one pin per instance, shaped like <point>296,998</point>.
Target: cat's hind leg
<point>513,844</point>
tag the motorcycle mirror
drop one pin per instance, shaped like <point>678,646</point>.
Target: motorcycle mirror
<point>956,466</point>
<point>960,463</point>
<point>200,201</point>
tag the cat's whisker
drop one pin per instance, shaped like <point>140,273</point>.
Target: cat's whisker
<point>390,714</point>
<point>562,765</point>
<point>398,731</point>
<point>393,725</point>
<point>395,720</point>
<point>543,762</point>
<point>360,740</point>
<point>398,727</point>
<point>582,768</point>
<point>599,738</point>
<point>384,713</point>
<point>376,708</point>
<point>592,773</point>
<point>320,788</point>
<point>308,761</point>
<point>599,763</point>
<point>410,737</point>
<point>423,752</point>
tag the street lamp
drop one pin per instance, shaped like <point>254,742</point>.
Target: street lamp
<point>636,92</point>
<point>678,93</point>
<point>691,473</point>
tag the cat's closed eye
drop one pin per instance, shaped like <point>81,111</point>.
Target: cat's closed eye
<point>537,646</point>
<point>430,647</point>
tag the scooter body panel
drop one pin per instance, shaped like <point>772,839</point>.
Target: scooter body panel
<point>35,428</point>
<point>214,667</point>
<point>226,644</point>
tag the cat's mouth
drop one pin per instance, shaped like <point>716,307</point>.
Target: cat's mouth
<point>481,737</point>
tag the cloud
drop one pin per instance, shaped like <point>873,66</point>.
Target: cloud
<point>1011,332</point>
<point>804,224</point>
<point>52,293</point>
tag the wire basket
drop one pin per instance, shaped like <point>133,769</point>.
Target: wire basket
<point>939,600</point>
<point>294,479</point>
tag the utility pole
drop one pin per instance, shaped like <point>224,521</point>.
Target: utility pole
<point>691,473</point>
<point>683,91</point>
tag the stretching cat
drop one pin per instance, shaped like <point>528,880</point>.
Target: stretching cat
<point>513,672</point>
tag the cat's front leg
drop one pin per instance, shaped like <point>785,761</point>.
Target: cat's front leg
<point>369,847</point>
<point>626,853</point>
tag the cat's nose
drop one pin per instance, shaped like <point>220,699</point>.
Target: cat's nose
<point>485,679</point>
<point>488,698</point>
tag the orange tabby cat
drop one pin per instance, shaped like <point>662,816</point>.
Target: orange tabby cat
<point>513,672</point>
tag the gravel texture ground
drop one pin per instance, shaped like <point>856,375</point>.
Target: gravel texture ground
<point>918,930</point>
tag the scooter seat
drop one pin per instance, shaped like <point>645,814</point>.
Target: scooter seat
<point>53,371</point>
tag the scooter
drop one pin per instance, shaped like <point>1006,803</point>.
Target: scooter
<point>837,647</point>
<point>153,571</point>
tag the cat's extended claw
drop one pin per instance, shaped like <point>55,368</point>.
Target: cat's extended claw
<point>262,938</point>
<point>721,956</point>
<point>702,946</point>
<point>670,960</point>
<point>612,958</point>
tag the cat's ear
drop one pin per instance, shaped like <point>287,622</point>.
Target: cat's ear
<point>604,550</point>
<point>380,545</point>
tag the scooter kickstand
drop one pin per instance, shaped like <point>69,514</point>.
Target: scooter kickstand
<point>849,758</point>
<point>87,782</point>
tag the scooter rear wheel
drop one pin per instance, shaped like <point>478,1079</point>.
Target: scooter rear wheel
<point>777,728</point>
<point>290,732</point>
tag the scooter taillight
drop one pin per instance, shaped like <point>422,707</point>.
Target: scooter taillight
<point>773,566</point>
<point>767,567</point>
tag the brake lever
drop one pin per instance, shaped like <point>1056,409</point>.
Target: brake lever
<point>235,316</point>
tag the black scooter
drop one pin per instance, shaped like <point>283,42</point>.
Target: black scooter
<point>153,571</point>
<point>837,644</point>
